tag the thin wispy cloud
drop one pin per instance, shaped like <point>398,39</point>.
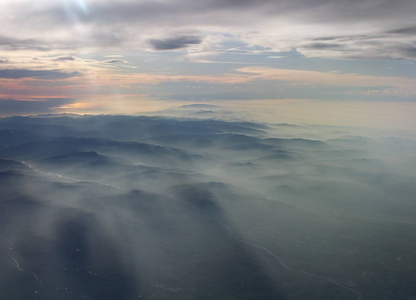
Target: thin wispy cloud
<point>115,61</point>
<point>31,106</point>
<point>41,74</point>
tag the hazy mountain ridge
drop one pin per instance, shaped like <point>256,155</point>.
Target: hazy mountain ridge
<point>199,209</point>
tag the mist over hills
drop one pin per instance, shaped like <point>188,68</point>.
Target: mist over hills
<point>124,207</point>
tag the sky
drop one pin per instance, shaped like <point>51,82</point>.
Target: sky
<point>96,56</point>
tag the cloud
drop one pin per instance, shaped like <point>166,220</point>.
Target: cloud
<point>405,31</point>
<point>31,106</point>
<point>3,60</point>
<point>384,45</point>
<point>115,61</point>
<point>320,46</point>
<point>65,58</point>
<point>263,81</point>
<point>304,77</point>
<point>409,51</point>
<point>11,43</point>
<point>41,74</point>
<point>277,25</point>
<point>175,42</point>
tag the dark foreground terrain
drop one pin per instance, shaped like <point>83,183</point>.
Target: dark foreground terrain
<point>121,208</point>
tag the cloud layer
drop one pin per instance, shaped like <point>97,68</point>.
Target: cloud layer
<point>42,74</point>
<point>95,49</point>
<point>352,29</point>
<point>31,106</point>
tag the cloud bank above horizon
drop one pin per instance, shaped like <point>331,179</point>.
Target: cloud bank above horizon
<point>94,51</point>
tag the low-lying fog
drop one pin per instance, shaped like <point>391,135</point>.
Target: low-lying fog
<point>121,207</point>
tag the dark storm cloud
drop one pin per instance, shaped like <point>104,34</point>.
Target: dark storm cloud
<point>174,43</point>
<point>16,107</point>
<point>41,74</point>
